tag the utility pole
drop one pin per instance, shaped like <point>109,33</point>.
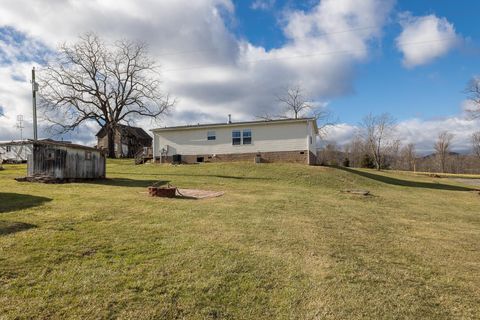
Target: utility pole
<point>34,101</point>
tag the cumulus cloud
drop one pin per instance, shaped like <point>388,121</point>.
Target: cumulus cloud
<point>424,39</point>
<point>210,70</point>
<point>18,54</point>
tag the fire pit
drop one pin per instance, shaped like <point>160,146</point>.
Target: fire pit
<point>168,192</point>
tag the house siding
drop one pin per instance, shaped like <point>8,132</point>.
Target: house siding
<point>276,142</point>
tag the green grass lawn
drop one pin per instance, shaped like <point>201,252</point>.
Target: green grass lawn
<point>284,242</point>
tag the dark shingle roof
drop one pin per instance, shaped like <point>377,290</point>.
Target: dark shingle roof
<point>134,131</point>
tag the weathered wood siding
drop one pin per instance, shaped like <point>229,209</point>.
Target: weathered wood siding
<point>62,162</point>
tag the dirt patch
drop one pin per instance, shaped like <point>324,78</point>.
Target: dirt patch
<point>198,194</point>
<point>357,192</point>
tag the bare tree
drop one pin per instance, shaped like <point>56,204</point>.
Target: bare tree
<point>476,143</point>
<point>294,102</point>
<point>356,150</point>
<point>409,157</point>
<point>377,133</point>
<point>473,92</point>
<point>295,105</point>
<point>92,80</point>
<point>442,147</point>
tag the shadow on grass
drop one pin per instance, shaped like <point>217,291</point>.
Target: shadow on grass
<point>16,201</point>
<point>8,227</point>
<point>406,183</point>
<point>215,176</point>
<point>123,182</point>
<point>195,175</point>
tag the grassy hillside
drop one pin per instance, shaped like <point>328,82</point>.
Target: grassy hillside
<point>283,243</point>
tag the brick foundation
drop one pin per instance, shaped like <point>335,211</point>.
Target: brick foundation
<point>301,157</point>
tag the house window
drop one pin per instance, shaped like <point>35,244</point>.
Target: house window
<point>9,148</point>
<point>88,155</point>
<point>236,137</point>
<point>311,140</point>
<point>211,135</point>
<point>247,136</point>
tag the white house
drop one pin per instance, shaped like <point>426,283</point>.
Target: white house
<point>286,140</point>
<point>16,151</point>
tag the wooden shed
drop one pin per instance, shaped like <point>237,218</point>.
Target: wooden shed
<point>65,161</point>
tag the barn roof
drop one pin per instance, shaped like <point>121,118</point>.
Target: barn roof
<point>134,131</point>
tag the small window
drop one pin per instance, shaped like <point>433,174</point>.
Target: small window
<point>247,136</point>
<point>211,135</point>
<point>50,154</point>
<point>9,148</point>
<point>88,155</point>
<point>236,137</point>
<point>311,140</point>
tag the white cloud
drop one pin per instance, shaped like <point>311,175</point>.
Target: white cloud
<point>424,39</point>
<point>210,70</point>
<point>262,4</point>
<point>341,134</point>
<point>14,99</point>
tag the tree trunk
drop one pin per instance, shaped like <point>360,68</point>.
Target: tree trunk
<point>111,140</point>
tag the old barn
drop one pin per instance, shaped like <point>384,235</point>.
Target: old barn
<point>64,161</point>
<point>128,141</point>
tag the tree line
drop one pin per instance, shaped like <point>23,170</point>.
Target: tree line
<point>376,146</point>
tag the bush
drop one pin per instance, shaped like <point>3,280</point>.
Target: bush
<point>367,162</point>
<point>346,162</point>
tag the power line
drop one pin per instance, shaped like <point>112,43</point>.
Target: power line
<point>216,49</point>
<point>313,54</point>
<point>323,34</point>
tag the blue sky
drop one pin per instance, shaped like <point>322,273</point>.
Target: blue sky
<point>409,58</point>
<point>383,84</point>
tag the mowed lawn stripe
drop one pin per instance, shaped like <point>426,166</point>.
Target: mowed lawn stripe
<point>284,242</point>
